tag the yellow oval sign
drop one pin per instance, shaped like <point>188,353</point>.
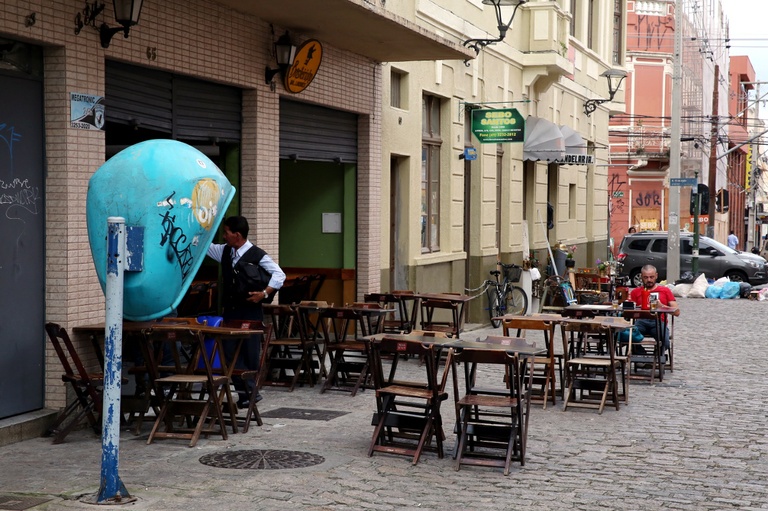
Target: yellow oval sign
<point>305,66</point>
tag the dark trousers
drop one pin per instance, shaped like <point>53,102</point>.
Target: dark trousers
<point>250,352</point>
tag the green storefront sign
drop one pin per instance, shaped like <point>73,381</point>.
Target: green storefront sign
<point>498,126</point>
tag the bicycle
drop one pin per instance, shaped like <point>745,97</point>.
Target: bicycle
<point>504,297</point>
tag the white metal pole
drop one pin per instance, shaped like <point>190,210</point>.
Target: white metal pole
<point>111,489</point>
<point>673,242</point>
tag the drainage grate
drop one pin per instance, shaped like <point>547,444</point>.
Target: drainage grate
<point>259,459</point>
<point>302,413</point>
<point>13,503</point>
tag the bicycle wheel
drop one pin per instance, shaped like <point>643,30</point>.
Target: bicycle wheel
<point>517,301</point>
<point>493,306</point>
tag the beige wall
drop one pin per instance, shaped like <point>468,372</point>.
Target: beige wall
<point>531,64</point>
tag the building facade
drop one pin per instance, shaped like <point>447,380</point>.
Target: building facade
<point>451,217</point>
<point>640,137</point>
<point>193,71</point>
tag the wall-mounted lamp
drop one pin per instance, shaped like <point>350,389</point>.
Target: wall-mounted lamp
<point>127,14</point>
<point>479,44</point>
<point>614,77</point>
<point>285,52</point>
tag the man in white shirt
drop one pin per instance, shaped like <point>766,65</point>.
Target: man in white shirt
<point>733,241</point>
<point>249,277</point>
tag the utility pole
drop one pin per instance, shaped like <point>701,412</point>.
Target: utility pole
<point>673,241</point>
<point>696,210</point>
<point>753,181</point>
<point>712,181</point>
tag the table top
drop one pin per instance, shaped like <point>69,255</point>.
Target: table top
<point>604,321</point>
<point>542,317</point>
<point>427,340</point>
<point>443,296</point>
<point>503,345</point>
<point>136,326</point>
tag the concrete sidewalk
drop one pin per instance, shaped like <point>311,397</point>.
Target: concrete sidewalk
<point>696,441</point>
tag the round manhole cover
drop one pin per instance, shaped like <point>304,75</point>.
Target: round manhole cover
<point>258,459</point>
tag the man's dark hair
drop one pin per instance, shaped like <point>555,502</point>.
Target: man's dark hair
<point>237,224</point>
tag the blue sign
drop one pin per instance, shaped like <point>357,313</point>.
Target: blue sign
<point>470,153</point>
<point>683,181</point>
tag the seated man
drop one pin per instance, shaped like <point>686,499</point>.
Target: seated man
<point>643,295</point>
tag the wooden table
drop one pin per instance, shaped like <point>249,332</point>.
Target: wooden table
<point>457,324</point>
<point>576,355</point>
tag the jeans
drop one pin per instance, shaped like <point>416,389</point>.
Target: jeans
<point>250,352</point>
<point>647,327</point>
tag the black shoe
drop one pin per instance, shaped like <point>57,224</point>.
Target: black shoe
<point>243,404</point>
<point>258,397</point>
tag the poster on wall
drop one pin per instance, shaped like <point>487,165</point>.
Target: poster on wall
<point>86,111</point>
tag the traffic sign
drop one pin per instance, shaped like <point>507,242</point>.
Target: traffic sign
<point>683,181</point>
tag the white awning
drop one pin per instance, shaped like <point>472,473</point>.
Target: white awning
<point>543,140</point>
<point>575,148</point>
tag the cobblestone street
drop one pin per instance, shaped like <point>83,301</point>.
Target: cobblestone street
<point>697,441</point>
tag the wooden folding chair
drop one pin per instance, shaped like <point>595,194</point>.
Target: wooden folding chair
<point>289,350</point>
<point>253,375</point>
<point>433,312</point>
<point>408,413</point>
<point>491,420</point>
<point>646,352</point>
<point>87,387</point>
<point>396,322</point>
<point>194,397</point>
<point>590,376</point>
<point>544,366</point>
<point>349,356</point>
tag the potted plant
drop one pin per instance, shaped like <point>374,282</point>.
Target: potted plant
<point>602,267</point>
<point>570,262</point>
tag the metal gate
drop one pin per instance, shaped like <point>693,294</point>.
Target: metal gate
<point>22,249</point>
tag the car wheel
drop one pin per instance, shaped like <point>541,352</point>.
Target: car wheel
<point>635,279</point>
<point>736,276</point>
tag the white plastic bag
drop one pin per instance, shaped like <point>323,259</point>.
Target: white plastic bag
<point>699,287</point>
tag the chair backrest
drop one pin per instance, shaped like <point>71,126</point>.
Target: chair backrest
<point>521,324</point>
<point>428,322</point>
<point>340,324</point>
<point>68,355</point>
<point>285,321</point>
<point>252,324</point>
<point>470,357</point>
<point>424,352</point>
<point>578,313</point>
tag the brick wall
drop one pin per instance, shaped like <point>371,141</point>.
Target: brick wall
<point>195,38</point>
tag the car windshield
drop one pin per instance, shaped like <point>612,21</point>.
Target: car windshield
<point>722,248</point>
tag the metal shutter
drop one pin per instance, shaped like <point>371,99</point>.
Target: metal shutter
<point>186,108</point>
<point>315,133</point>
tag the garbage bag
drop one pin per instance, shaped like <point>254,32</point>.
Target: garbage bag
<point>730,290</point>
<point>686,278</point>
<point>745,288</point>
<point>713,291</point>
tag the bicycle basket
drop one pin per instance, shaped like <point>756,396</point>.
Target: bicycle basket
<point>513,273</point>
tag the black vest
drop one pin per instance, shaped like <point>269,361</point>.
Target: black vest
<point>236,283</point>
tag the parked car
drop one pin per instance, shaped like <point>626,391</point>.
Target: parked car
<point>715,259</point>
